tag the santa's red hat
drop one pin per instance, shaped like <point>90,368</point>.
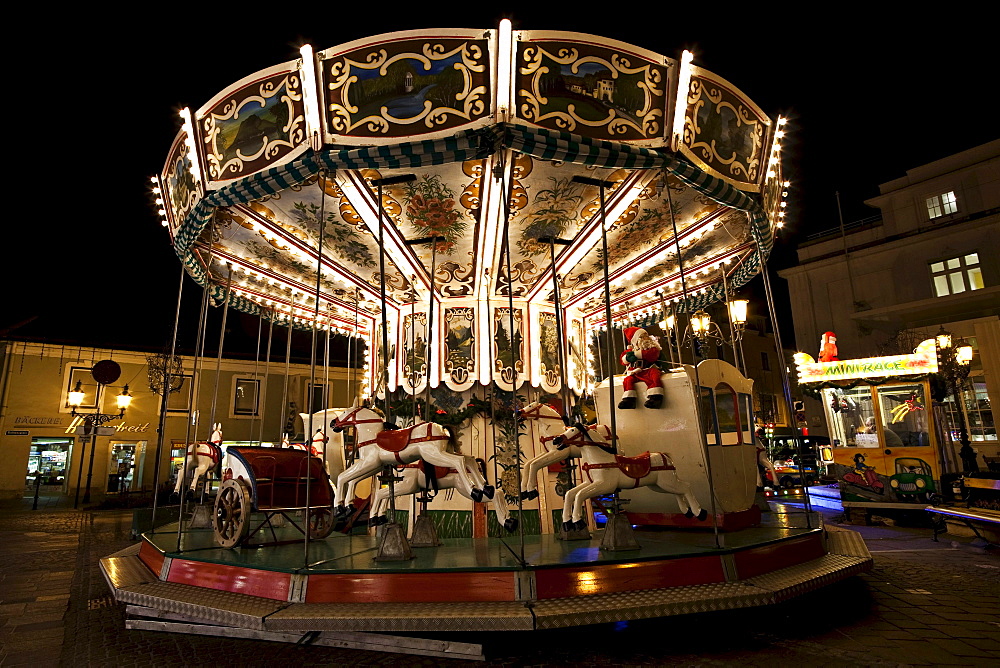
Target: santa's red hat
<point>631,333</point>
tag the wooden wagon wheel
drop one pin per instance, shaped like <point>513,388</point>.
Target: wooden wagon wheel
<point>231,521</point>
<point>320,524</point>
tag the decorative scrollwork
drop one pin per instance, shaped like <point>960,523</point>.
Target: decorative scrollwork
<point>524,272</point>
<point>548,351</point>
<point>561,87</point>
<point>508,361</point>
<point>254,127</point>
<point>460,344</point>
<point>455,279</point>
<point>724,131</point>
<point>440,84</point>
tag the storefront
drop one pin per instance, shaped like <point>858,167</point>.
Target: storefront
<point>49,457</point>
<point>885,435</point>
<point>40,430</point>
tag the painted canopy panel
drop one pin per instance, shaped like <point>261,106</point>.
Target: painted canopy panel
<point>592,86</point>
<point>419,83</point>
<point>476,182</point>
<point>256,123</point>
<point>725,133</point>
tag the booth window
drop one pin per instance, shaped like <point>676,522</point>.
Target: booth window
<point>245,393</point>
<point>978,411</point>
<point>903,415</point>
<point>957,274</point>
<point>944,204</point>
<point>851,416</point>
<point>728,409</point>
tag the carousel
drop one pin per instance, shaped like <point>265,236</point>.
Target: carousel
<point>519,232</point>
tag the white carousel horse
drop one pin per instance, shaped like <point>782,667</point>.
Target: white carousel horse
<point>609,472</point>
<point>421,476</point>
<point>201,459</point>
<point>551,424</point>
<point>377,446</point>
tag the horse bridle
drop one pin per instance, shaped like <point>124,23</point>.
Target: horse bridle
<point>583,435</point>
<point>340,423</point>
<point>536,414</point>
<point>346,421</point>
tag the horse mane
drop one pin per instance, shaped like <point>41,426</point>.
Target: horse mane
<point>453,445</point>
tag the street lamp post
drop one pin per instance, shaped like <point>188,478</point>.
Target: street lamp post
<point>91,422</point>
<point>954,358</point>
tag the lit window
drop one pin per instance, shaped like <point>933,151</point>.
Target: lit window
<point>942,205</point>
<point>956,275</point>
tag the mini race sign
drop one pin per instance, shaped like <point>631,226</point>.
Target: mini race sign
<point>922,360</point>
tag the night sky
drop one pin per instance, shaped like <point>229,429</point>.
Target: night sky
<point>93,101</point>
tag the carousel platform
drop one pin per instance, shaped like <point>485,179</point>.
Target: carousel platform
<point>472,584</point>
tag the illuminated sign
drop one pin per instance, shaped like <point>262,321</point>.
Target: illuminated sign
<point>923,360</point>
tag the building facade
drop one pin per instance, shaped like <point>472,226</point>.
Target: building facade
<point>38,432</point>
<point>928,260</point>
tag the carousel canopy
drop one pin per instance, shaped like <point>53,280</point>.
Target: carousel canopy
<point>487,235</point>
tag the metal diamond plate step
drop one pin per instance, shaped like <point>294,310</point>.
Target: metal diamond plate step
<point>478,616</point>
<point>220,607</point>
<point>133,583</point>
<point>122,571</point>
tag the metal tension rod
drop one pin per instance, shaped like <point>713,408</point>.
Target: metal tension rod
<point>379,184</point>
<point>393,180</point>
<point>552,242</point>
<point>603,185</point>
<point>424,240</point>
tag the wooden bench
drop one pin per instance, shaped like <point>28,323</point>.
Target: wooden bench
<point>980,520</point>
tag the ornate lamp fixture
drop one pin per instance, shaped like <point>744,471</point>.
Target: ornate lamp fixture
<point>91,421</point>
<point>954,361</point>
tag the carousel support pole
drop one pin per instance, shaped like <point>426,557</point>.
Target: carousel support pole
<point>697,376</point>
<point>267,373</point>
<point>411,356</point>
<point>392,544</point>
<point>429,334</point>
<point>424,532</point>
<point>202,518</point>
<point>560,332</point>
<point>310,430</point>
<point>391,537</point>
<point>785,384</point>
<point>256,375</point>
<point>192,416</point>
<point>602,186</point>
<point>507,173</point>
<point>671,327</point>
<point>162,422</point>
<point>379,185</point>
<point>618,534</point>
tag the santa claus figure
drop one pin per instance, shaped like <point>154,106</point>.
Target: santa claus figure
<point>828,348</point>
<point>641,359</point>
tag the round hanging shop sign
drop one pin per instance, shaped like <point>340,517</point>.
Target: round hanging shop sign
<point>106,372</point>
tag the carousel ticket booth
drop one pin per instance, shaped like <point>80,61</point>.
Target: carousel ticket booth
<point>885,447</point>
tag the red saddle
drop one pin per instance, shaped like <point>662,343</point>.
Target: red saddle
<point>394,440</point>
<point>634,467</point>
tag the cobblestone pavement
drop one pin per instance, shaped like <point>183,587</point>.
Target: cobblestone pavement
<point>925,603</point>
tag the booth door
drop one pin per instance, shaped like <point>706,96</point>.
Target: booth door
<point>910,459</point>
<point>858,458</point>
